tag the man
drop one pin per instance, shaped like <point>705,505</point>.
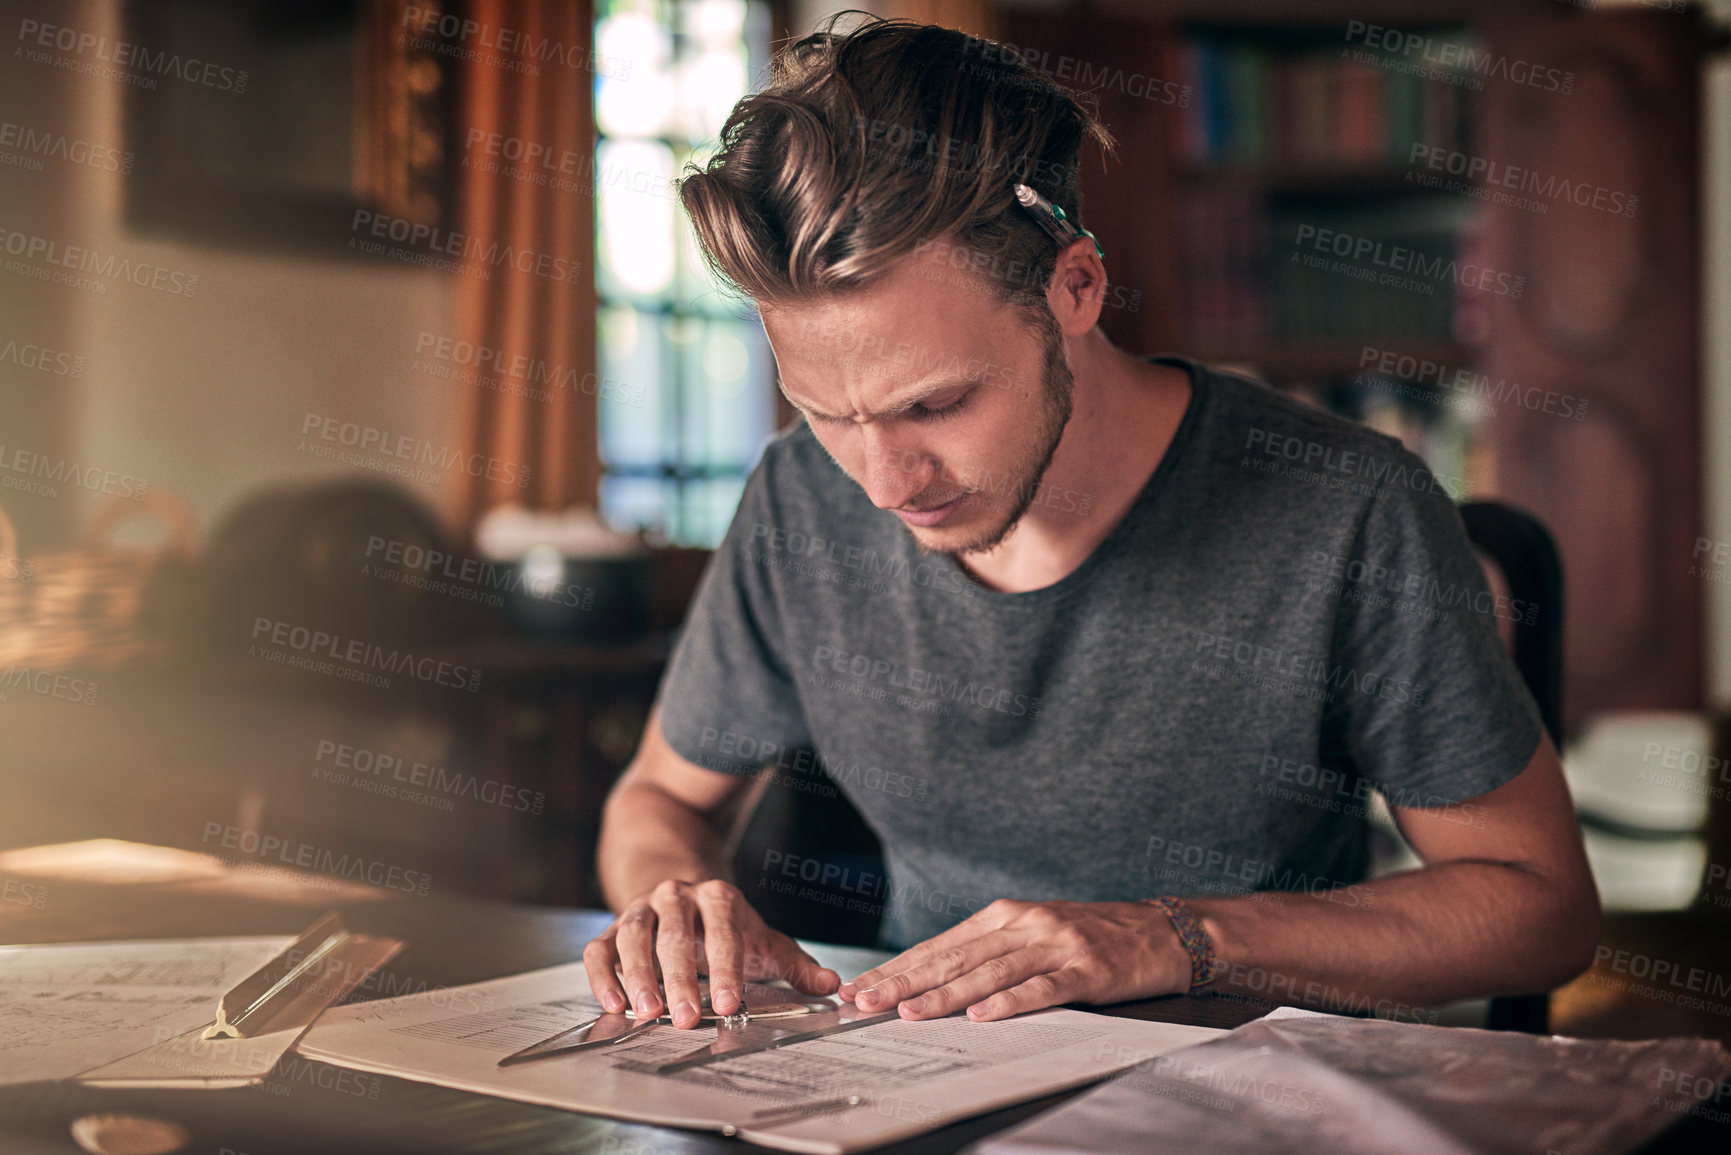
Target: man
<point>1139,630</point>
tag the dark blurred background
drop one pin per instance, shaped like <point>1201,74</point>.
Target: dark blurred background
<point>366,413</point>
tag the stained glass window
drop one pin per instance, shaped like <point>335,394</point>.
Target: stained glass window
<point>691,398</point>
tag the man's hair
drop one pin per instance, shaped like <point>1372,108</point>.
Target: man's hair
<point>864,147</point>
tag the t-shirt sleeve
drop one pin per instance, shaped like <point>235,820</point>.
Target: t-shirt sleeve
<point>1429,704</point>
<point>728,701</point>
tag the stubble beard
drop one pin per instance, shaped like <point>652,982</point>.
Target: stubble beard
<point>1058,382</point>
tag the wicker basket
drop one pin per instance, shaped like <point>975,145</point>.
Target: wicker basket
<point>98,604</point>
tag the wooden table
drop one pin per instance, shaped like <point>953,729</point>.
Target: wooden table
<point>311,1108</point>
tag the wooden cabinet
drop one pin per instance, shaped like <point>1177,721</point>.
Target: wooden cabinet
<point>1611,315</point>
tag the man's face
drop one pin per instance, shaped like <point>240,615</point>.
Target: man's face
<point>942,403</point>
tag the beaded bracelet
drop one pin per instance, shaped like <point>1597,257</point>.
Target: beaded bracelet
<point>1204,963</point>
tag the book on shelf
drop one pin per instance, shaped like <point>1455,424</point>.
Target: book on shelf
<point>1259,103</point>
<point>1258,272</point>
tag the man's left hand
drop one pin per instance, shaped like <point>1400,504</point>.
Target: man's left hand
<point>1013,957</point>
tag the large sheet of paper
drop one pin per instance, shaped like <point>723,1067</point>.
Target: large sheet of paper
<point>192,1062</point>
<point>1296,1082</point>
<point>66,1009</point>
<point>907,1077</point>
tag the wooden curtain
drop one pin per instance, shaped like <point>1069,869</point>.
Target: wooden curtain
<point>545,99</point>
<point>975,17</point>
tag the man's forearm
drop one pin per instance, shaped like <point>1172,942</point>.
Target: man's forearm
<point>647,837</point>
<point>1421,938</point>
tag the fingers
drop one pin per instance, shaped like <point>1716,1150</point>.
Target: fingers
<point>635,936</point>
<point>680,930</point>
<point>718,907</point>
<point>1002,972</point>
<point>601,961</point>
<point>1041,990</point>
<point>802,972</point>
<point>739,946</point>
<point>864,989</point>
<point>939,966</point>
<point>983,922</point>
<point>912,957</point>
<point>676,945</point>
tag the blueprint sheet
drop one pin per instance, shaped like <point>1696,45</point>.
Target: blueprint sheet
<point>70,1008</point>
<point>907,1077</point>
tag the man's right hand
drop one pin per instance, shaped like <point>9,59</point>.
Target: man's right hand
<point>691,929</point>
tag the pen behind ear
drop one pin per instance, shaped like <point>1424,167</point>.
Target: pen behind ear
<point>1054,219</point>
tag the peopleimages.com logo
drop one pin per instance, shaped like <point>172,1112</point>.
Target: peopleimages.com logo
<point>33,145</point>
<point>41,359</point>
<point>37,40</point>
<point>321,860</point>
<point>511,49</point>
<point>1448,60</point>
<point>369,230</point>
<point>48,683</point>
<point>436,571</point>
<point>401,447</point>
<point>63,262</point>
<point>1352,469</point>
<point>1389,259</point>
<point>304,647</point>
<point>421,783</point>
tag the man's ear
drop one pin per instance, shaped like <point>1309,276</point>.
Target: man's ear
<point>1077,291</point>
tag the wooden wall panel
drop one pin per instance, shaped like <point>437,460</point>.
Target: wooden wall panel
<point>1609,314</point>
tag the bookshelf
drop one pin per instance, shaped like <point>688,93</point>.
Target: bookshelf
<point>1309,231</point>
<point>1287,126</point>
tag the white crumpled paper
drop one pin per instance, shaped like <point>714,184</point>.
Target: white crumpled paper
<point>1302,1082</point>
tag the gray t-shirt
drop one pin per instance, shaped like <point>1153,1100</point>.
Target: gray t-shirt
<point>1288,617</point>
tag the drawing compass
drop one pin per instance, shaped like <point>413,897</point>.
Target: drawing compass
<point>759,1003</point>
<point>734,1039</point>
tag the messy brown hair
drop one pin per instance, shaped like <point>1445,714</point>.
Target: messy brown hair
<point>867,146</point>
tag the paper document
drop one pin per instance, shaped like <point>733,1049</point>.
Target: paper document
<point>827,1096</point>
<point>190,1061</point>
<point>68,1008</point>
<point>137,1013</point>
<point>1296,1082</point>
